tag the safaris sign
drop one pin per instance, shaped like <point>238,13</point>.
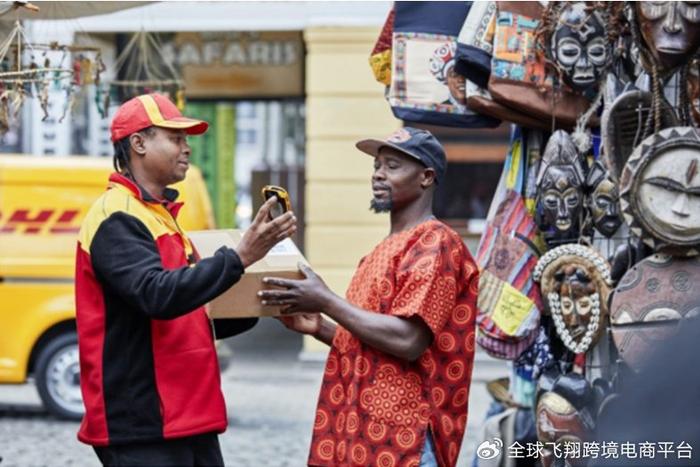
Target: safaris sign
<point>238,64</point>
<point>222,64</point>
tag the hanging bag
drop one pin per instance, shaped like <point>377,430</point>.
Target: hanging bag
<point>380,58</point>
<point>479,100</point>
<point>519,79</point>
<point>473,61</point>
<point>425,87</point>
<point>509,302</point>
<point>475,43</point>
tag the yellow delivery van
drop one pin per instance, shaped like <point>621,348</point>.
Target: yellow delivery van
<point>42,203</point>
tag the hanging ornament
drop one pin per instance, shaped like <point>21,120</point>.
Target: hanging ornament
<point>142,68</point>
<point>660,191</point>
<point>576,281</point>
<point>652,303</point>
<point>30,70</point>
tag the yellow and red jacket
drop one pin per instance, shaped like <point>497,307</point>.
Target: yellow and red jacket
<point>148,366</point>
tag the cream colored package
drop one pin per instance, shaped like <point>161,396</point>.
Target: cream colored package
<point>241,300</point>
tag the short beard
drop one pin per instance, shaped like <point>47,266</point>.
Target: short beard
<point>380,205</point>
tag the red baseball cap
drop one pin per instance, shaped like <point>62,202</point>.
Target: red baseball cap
<point>152,110</point>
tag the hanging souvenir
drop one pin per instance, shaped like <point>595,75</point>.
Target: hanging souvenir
<point>30,69</point>
<point>564,416</point>
<point>603,200</point>
<point>4,112</point>
<point>533,156</point>
<point>650,303</point>
<point>579,45</point>
<point>473,61</point>
<point>660,191</point>
<point>479,100</point>
<point>575,281</point>
<point>143,68</point>
<point>501,347</point>
<point>509,301</point>
<point>380,58</point>
<point>670,33</point>
<point>560,189</point>
<point>519,78</point>
<point>425,87</point>
<point>538,357</point>
<point>475,43</point>
<point>629,119</point>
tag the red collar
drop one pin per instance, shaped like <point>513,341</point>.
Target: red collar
<point>170,194</point>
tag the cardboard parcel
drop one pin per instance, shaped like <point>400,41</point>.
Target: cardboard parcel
<point>241,300</point>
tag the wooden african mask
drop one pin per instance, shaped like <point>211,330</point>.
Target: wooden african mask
<point>660,191</point>
<point>563,415</point>
<point>603,200</point>
<point>559,423</point>
<point>560,183</point>
<point>650,303</point>
<point>671,30</point>
<point>579,45</point>
<point>575,280</point>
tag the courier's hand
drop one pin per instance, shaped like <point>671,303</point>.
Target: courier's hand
<point>264,233</point>
<point>308,295</point>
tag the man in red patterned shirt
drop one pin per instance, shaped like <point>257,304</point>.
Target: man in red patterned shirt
<point>396,384</point>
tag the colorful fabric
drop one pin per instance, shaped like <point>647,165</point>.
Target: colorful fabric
<point>380,58</point>
<point>375,409</point>
<point>507,313</point>
<point>148,366</point>
<point>519,77</point>
<point>502,348</point>
<point>425,88</point>
<point>509,299</point>
<point>475,43</point>
<point>535,359</point>
<point>442,60</point>
<point>514,164</point>
<point>402,90</point>
<point>514,53</point>
<point>534,139</point>
<point>522,388</point>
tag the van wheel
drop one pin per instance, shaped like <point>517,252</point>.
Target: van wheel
<point>57,375</point>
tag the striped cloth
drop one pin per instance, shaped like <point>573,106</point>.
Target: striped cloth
<point>509,300</point>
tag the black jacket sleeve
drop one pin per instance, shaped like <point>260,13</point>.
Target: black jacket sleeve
<point>229,327</point>
<point>125,258</point>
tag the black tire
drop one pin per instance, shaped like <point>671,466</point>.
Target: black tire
<point>57,376</point>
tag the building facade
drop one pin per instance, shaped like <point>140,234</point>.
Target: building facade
<point>289,90</point>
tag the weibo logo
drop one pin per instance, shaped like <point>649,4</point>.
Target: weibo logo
<point>489,450</point>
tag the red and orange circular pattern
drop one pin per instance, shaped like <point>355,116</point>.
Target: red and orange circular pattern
<point>375,409</point>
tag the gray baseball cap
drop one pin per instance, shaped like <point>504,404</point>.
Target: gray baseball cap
<point>413,142</point>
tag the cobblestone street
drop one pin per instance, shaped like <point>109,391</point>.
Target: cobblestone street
<point>271,397</point>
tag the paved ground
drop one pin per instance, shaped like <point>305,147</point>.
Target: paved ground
<point>271,398</point>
